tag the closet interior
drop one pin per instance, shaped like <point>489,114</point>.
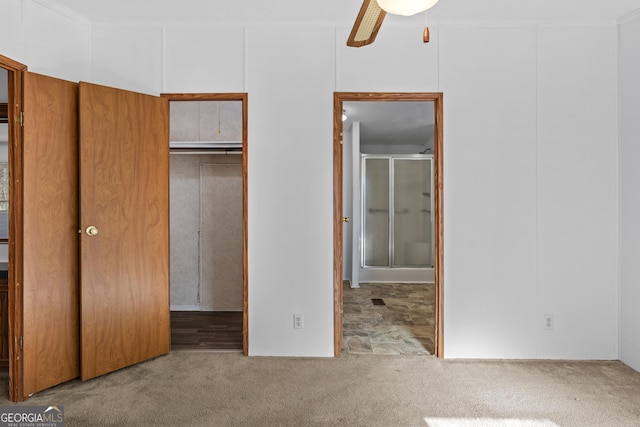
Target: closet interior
<point>206,222</point>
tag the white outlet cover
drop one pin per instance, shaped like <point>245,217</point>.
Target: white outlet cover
<point>548,322</point>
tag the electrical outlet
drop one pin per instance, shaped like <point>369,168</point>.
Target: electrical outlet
<point>548,322</point>
<point>298,321</point>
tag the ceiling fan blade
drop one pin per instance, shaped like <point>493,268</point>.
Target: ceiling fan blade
<point>367,24</point>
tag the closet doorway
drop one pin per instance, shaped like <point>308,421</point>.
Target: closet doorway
<point>208,142</point>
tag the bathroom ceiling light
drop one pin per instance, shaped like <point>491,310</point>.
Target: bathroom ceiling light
<point>344,116</point>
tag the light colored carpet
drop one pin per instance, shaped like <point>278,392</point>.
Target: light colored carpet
<point>228,389</point>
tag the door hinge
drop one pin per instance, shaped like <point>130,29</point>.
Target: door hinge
<point>21,119</point>
<point>20,342</point>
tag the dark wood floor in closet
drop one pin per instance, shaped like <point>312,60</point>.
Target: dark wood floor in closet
<point>206,330</point>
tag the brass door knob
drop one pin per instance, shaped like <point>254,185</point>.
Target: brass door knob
<point>346,219</point>
<point>92,230</point>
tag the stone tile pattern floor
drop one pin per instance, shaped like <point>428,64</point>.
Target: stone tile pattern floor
<point>404,325</point>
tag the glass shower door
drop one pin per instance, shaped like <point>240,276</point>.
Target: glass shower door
<point>412,223</point>
<point>376,212</point>
<point>397,224</point>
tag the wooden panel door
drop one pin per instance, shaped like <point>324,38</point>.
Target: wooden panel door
<point>50,233</point>
<point>124,194</point>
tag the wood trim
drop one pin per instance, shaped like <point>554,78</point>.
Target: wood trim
<point>15,79</point>
<point>337,225</point>
<point>438,154</point>
<point>245,225</point>
<point>245,210</point>
<point>206,97</point>
<point>4,323</point>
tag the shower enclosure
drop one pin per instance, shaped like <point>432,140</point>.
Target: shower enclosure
<point>397,218</point>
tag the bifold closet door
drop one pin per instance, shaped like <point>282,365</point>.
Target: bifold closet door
<point>50,328</point>
<point>124,220</point>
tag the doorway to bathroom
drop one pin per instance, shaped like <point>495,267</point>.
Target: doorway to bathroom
<point>388,247</point>
<point>208,221</point>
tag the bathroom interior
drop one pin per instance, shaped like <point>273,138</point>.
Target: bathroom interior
<point>388,245</point>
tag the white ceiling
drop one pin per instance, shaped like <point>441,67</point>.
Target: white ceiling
<point>397,122</point>
<point>338,11</point>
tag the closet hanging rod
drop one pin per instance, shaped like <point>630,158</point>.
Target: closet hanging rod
<point>205,144</point>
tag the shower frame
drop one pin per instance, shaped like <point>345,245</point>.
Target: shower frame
<point>393,271</point>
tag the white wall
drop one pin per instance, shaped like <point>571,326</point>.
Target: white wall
<point>12,36</point>
<point>46,37</point>
<point>578,212</point>
<point>531,212</point>
<point>630,200</point>
<point>290,84</point>
<point>488,76</point>
<point>528,157</point>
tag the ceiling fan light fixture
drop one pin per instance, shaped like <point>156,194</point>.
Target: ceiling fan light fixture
<point>406,7</point>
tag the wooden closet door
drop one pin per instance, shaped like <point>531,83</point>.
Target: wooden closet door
<point>124,194</point>
<point>50,326</point>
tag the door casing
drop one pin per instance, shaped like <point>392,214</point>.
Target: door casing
<point>14,75</point>
<point>437,99</point>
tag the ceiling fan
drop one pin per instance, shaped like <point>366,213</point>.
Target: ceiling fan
<point>372,13</point>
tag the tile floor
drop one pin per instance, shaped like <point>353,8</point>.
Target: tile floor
<point>404,325</point>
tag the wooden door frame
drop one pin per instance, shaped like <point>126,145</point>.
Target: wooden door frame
<point>15,310</point>
<point>245,263</point>
<point>437,99</point>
